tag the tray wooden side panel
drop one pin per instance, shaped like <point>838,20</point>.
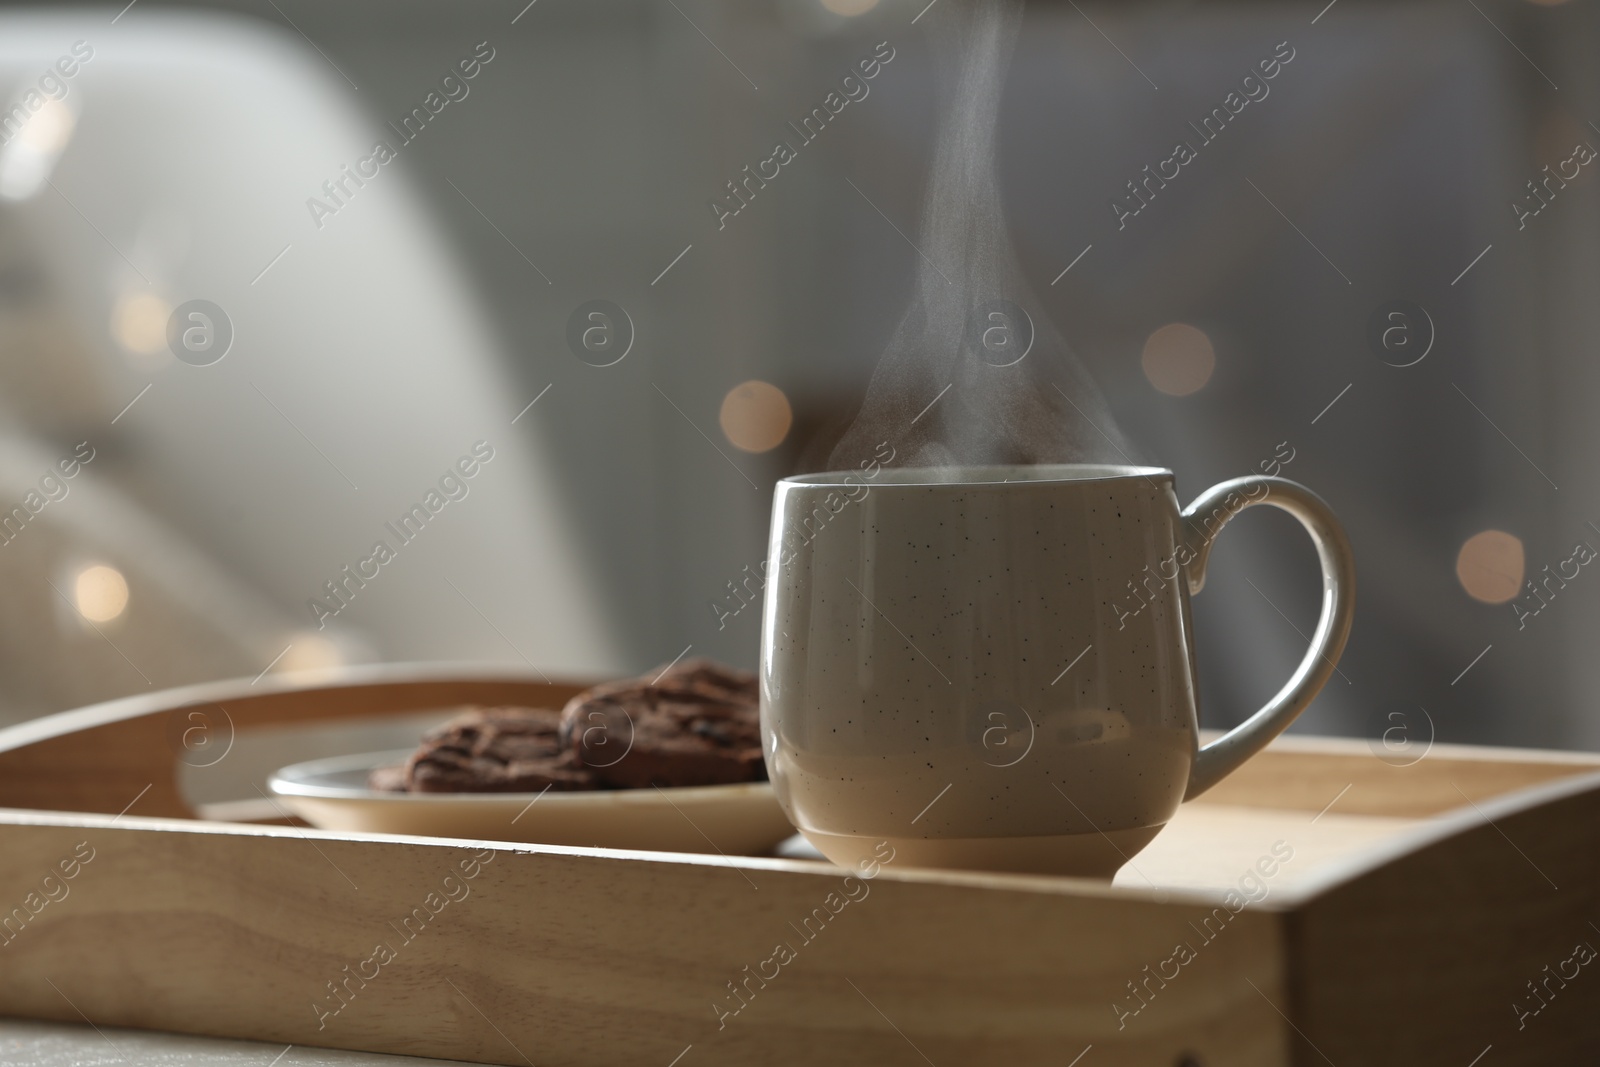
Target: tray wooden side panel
<point>101,758</point>
<point>1426,958</point>
<point>568,957</point>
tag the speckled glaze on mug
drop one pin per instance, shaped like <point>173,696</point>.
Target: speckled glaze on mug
<point>993,668</point>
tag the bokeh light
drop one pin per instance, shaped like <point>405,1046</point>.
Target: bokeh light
<point>1491,566</point>
<point>755,416</point>
<point>100,593</point>
<point>29,156</point>
<point>139,323</point>
<point>310,652</point>
<point>1178,359</point>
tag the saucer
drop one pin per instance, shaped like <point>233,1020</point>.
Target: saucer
<point>739,819</point>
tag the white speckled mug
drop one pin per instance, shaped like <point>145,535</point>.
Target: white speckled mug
<point>993,668</point>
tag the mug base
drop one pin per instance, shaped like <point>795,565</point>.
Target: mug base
<point>1097,855</point>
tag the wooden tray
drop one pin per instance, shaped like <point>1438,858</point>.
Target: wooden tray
<point>1420,909</point>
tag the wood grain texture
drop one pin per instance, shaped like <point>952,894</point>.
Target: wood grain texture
<point>101,758</point>
<point>1421,959</point>
<point>1402,932</point>
<point>1209,846</point>
<point>561,957</point>
<point>1309,772</point>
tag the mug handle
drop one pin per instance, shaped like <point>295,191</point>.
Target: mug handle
<point>1203,520</point>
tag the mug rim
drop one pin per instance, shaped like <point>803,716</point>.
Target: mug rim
<point>969,476</point>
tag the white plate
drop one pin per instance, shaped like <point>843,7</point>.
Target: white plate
<point>740,819</point>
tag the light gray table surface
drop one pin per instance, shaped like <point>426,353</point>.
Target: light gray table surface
<point>30,1043</point>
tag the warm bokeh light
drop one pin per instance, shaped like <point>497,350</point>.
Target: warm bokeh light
<point>100,593</point>
<point>756,416</point>
<point>849,8</point>
<point>310,652</point>
<point>1178,359</point>
<point>27,159</point>
<point>139,323</point>
<point>1491,566</point>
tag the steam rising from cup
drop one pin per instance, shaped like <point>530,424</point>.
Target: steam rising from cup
<point>974,373</point>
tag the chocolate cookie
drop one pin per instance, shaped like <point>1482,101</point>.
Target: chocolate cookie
<point>694,723</point>
<point>496,750</point>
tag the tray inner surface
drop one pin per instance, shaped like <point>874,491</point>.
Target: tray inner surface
<point>1329,802</point>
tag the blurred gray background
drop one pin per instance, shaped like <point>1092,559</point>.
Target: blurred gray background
<point>372,351</point>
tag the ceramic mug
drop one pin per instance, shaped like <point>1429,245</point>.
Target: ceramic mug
<point>993,668</point>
